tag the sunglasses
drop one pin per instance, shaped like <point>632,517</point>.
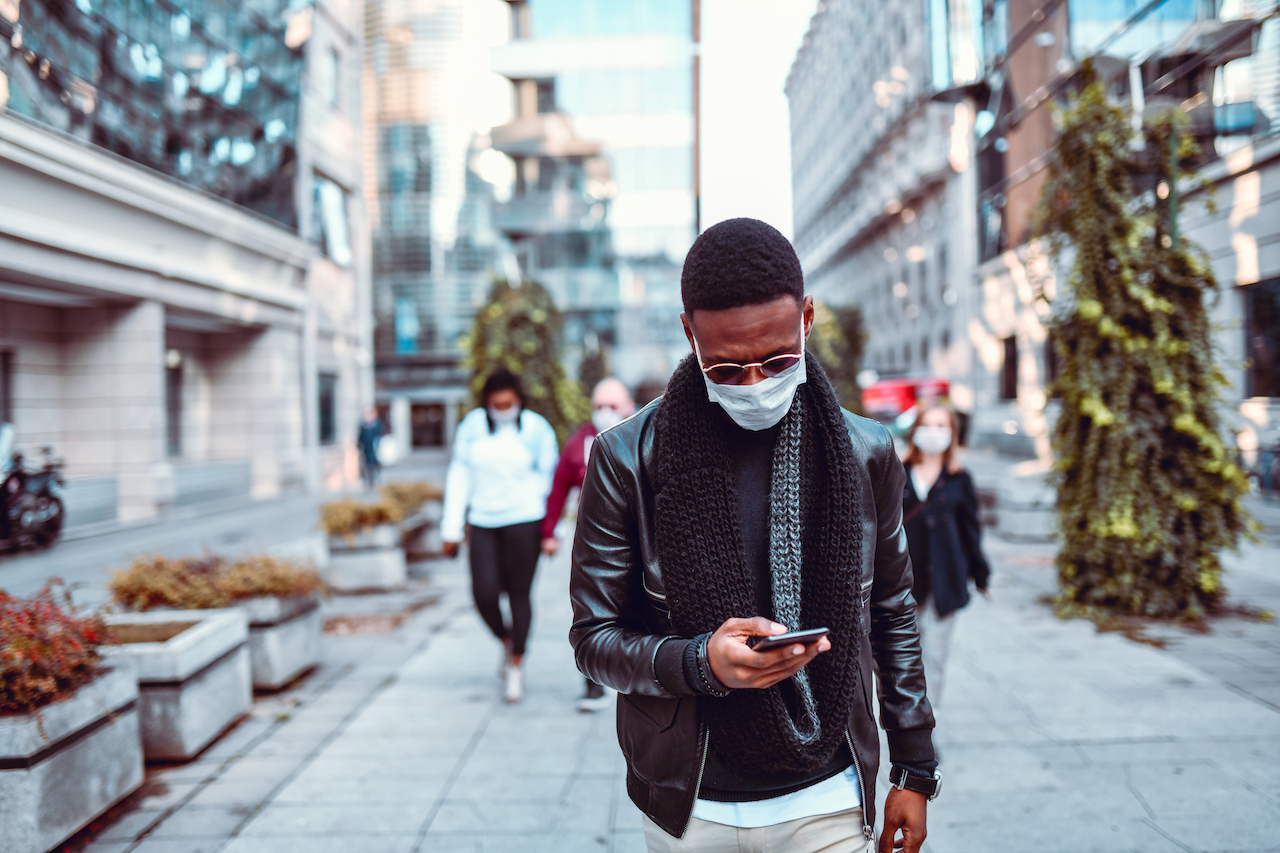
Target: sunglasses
<point>733,373</point>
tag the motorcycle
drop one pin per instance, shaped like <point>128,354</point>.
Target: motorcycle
<point>33,511</point>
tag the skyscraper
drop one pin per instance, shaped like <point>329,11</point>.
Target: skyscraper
<point>604,143</point>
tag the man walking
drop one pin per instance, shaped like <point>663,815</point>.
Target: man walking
<point>611,404</point>
<point>746,503</point>
<point>370,436</point>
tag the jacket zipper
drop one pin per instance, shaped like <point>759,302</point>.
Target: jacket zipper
<point>862,789</point>
<point>706,744</point>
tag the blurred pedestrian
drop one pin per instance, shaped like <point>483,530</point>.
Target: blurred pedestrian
<point>611,404</point>
<point>940,513</point>
<point>371,432</point>
<point>503,459</point>
<point>745,504</point>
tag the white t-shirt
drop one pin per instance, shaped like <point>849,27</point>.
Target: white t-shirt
<point>829,796</point>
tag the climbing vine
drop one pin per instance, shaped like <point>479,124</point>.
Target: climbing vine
<point>519,329</point>
<point>1148,495</point>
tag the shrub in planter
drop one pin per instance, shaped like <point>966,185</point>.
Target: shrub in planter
<point>69,740</point>
<point>408,498</point>
<point>279,597</point>
<point>348,517</point>
<point>46,651</point>
<point>420,504</point>
<point>364,545</point>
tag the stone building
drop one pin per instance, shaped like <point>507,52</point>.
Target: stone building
<point>184,301</point>
<point>881,178</point>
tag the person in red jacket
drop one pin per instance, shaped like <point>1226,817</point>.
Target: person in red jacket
<point>611,404</point>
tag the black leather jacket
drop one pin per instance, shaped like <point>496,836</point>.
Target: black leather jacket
<point>620,619</point>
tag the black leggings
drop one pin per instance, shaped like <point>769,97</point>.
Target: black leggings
<point>503,559</point>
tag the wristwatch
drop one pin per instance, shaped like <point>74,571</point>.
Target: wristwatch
<point>904,780</point>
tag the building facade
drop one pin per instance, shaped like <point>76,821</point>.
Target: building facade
<point>183,258</point>
<point>605,222</point>
<point>882,179</point>
<point>1218,62</point>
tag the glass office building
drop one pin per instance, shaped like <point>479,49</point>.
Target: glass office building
<point>207,93</point>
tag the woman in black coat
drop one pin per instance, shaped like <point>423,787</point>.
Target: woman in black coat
<point>940,514</point>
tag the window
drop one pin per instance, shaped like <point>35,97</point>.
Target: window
<point>1262,338</point>
<point>609,92</point>
<point>328,68</point>
<point>1009,370</point>
<point>173,403</point>
<point>546,95</point>
<point>329,221</point>
<point>328,408</point>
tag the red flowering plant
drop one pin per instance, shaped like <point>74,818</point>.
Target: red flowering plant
<point>46,650</point>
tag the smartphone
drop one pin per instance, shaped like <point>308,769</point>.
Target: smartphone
<point>777,641</point>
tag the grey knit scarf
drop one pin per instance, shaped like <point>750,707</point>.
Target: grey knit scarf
<point>815,548</point>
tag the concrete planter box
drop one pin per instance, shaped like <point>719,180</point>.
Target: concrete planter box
<point>421,532</point>
<point>1025,511</point>
<point>284,638</point>
<point>371,560</point>
<point>67,763</point>
<point>193,675</point>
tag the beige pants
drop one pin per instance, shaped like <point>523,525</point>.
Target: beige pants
<point>829,833</point>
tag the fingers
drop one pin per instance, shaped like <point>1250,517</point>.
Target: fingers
<point>888,835</point>
<point>756,626</point>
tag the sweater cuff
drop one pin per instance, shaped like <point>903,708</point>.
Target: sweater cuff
<point>911,746</point>
<point>668,666</point>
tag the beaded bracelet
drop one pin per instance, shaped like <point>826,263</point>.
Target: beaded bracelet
<point>710,683</point>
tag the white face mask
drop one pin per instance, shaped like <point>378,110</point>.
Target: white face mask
<point>504,417</point>
<point>932,439</point>
<point>759,406</point>
<point>605,417</point>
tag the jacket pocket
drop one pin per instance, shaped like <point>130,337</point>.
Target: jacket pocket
<point>656,711</point>
<point>865,591</point>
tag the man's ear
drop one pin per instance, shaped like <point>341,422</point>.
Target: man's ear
<point>808,316</point>
<point>688,332</point>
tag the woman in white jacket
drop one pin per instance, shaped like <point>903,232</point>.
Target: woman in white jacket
<point>504,458</point>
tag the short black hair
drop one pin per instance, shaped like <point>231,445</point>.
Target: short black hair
<point>739,262</point>
<point>500,380</point>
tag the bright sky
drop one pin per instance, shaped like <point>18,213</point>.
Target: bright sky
<point>747,50</point>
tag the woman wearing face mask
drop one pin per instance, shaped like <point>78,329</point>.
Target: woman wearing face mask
<point>504,457</point>
<point>940,513</point>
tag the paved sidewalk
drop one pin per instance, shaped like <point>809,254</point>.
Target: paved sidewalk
<point>1057,738</point>
<point>1053,738</point>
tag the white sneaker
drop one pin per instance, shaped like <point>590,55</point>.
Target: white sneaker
<point>505,663</point>
<point>592,704</point>
<point>515,684</point>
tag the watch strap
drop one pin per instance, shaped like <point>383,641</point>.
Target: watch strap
<point>905,780</point>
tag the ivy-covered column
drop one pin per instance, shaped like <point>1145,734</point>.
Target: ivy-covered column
<point>1148,494</point>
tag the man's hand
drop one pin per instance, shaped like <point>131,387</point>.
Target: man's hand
<point>904,810</point>
<point>737,665</point>
<point>451,549</point>
<point>550,545</point>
